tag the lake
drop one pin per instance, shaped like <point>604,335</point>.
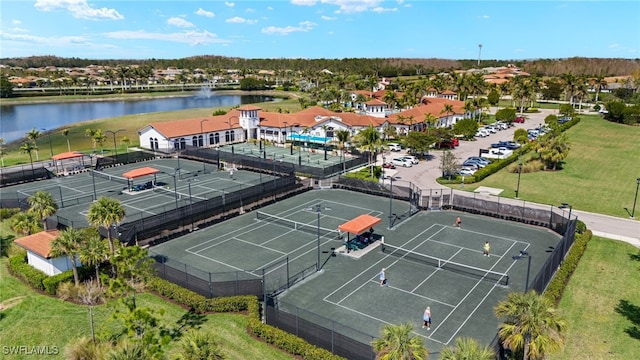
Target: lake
<point>16,120</point>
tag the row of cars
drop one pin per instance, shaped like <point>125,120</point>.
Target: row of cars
<point>491,129</point>
<point>403,161</point>
<point>473,164</point>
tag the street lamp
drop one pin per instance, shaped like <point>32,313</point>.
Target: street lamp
<point>633,211</point>
<point>230,130</point>
<point>524,254</point>
<point>285,132</point>
<point>115,146</point>
<point>519,173</point>
<point>318,209</point>
<point>190,204</point>
<point>50,146</point>
<point>564,206</point>
<point>390,202</point>
<point>204,169</point>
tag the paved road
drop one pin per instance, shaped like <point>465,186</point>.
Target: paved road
<point>424,175</point>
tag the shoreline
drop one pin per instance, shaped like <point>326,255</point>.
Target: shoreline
<point>141,96</point>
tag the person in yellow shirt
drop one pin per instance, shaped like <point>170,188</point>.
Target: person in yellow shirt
<point>486,248</point>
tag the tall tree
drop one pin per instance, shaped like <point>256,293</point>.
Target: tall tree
<point>2,153</point>
<point>106,212</point>
<point>552,149</point>
<point>396,343</point>
<point>467,349</point>
<point>24,223</point>
<point>343,137</point>
<point>43,205</point>
<point>369,140</point>
<point>67,244</point>
<point>133,267</point>
<point>91,133</point>
<point>530,324</point>
<point>33,136</point>
<point>65,133</point>
<point>94,252</point>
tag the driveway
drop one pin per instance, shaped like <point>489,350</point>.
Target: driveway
<point>424,175</point>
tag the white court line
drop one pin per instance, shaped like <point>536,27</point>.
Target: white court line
<point>260,246</point>
<point>140,210</point>
<point>492,236</point>
<point>423,281</point>
<point>481,301</point>
<point>225,264</point>
<point>70,188</point>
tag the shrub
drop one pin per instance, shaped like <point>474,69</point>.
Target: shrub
<point>555,289</point>
<point>8,213</point>
<point>20,268</point>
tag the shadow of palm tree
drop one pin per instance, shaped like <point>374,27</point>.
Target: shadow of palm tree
<point>635,257</point>
<point>631,312</point>
<point>190,320</point>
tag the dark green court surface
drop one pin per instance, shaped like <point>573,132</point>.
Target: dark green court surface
<point>454,278</point>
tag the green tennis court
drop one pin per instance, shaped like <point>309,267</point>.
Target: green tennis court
<point>461,286</point>
<point>307,156</point>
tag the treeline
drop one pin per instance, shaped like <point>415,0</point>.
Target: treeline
<point>379,67</point>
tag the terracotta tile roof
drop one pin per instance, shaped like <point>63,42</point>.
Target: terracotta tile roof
<point>433,106</point>
<point>39,243</point>
<point>376,102</point>
<point>276,119</point>
<point>249,107</point>
<point>357,120</point>
<point>188,127</point>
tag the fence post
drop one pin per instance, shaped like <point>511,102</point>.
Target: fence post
<point>287,271</point>
<point>210,287</point>
<point>186,275</point>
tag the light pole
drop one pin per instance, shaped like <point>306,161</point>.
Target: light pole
<point>190,204</point>
<point>115,146</point>
<point>50,146</point>
<point>390,202</point>
<point>230,131</point>
<point>318,209</point>
<point>285,132</point>
<point>175,185</point>
<point>564,206</point>
<point>291,136</point>
<point>519,173</point>
<point>524,254</point>
<point>633,211</point>
<point>200,144</point>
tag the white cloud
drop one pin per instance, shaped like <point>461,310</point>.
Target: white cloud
<point>614,46</point>
<point>50,41</point>
<point>17,29</point>
<point>79,9</point>
<point>269,8</point>
<point>16,22</point>
<point>304,2</point>
<point>485,16</point>
<point>327,18</point>
<point>250,10</point>
<point>203,12</point>
<point>353,6</point>
<point>304,27</point>
<point>229,4</point>
<point>239,20</point>
<point>187,37</point>
<point>179,22</point>
<point>380,9</point>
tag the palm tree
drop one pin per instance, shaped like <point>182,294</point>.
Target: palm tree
<point>125,140</point>
<point>197,345</point>
<point>106,212</point>
<point>91,133</point>
<point>24,223</point>
<point>467,348</point>
<point>42,205</point>
<point>343,137</point>
<point>448,109</point>
<point>94,252</point>
<point>67,245</point>
<point>65,133</point>
<point>397,343</point>
<point>430,120</point>
<point>599,83</point>
<point>27,148</point>
<point>530,324</point>
<point>369,140</point>
<point>2,153</point>
<point>33,136</point>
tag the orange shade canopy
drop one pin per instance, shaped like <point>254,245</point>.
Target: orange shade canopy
<point>67,155</point>
<point>360,224</point>
<point>140,172</point>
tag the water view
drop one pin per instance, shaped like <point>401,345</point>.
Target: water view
<point>16,120</point>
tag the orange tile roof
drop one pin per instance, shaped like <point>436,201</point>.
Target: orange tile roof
<point>276,119</point>
<point>39,243</point>
<point>433,106</point>
<point>249,108</point>
<point>187,127</point>
<point>376,102</point>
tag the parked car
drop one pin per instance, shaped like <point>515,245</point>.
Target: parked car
<point>401,162</point>
<point>388,166</point>
<point>490,128</point>
<point>519,119</point>
<point>510,145</point>
<point>447,144</point>
<point>501,126</point>
<point>474,164</point>
<point>464,171</point>
<point>394,146</point>
<point>412,159</point>
<point>481,133</point>
<point>479,159</point>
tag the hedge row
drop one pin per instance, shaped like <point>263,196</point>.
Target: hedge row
<point>41,281</point>
<point>274,336</point>
<point>555,289</point>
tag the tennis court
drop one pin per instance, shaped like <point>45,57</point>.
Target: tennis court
<point>307,156</point>
<point>428,262</point>
<point>177,183</point>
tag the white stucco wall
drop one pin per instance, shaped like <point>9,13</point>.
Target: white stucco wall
<point>50,266</point>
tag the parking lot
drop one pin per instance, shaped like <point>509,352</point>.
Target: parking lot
<point>426,172</point>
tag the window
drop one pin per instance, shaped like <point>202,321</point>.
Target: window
<point>212,139</point>
<point>227,136</point>
<point>194,141</point>
<point>183,143</point>
<point>216,138</point>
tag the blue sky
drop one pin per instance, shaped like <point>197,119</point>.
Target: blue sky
<point>130,29</point>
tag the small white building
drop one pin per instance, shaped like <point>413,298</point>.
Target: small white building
<point>38,248</point>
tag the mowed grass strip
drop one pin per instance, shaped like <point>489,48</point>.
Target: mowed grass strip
<point>598,176</point>
<point>602,303</point>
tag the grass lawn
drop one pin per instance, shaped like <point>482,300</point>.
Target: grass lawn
<point>602,303</point>
<point>598,176</point>
<point>78,140</point>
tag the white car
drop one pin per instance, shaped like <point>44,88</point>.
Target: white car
<point>465,171</point>
<point>394,146</point>
<point>482,133</point>
<point>401,162</point>
<point>412,159</point>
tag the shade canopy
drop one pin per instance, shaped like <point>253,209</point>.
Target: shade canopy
<point>67,155</point>
<point>140,172</point>
<point>360,224</point>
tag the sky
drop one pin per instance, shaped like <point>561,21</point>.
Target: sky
<point>313,29</point>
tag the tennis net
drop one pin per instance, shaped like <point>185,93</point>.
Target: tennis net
<point>483,274</point>
<point>297,225</point>
<point>115,178</point>
<point>169,192</point>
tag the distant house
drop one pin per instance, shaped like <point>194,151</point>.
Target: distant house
<point>38,248</point>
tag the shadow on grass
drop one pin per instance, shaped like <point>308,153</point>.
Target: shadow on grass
<point>631,312</point>
<point>188,321</point>
<point>635,257</point>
